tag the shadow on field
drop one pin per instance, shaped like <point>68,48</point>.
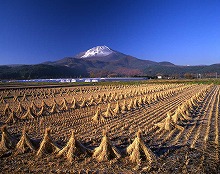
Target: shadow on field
<point>162,150</point>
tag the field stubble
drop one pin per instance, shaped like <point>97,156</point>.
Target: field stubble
<point>147,128</point>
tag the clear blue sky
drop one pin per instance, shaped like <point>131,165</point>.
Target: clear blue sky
<point>184,32</point>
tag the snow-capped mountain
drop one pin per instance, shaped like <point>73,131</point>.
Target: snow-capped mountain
<point>100,53</point>
<point>100,61</point>
<point>97,51</point>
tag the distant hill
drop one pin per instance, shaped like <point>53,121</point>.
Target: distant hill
<point>39,71</point>
<point>101,61</point>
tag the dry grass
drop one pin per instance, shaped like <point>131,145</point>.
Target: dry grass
<point>73,149</point>
<point>47,146</point>
<point>98,116</point>
<point>7,141</point>
<point>106,151</point>
<point>172,117</point>
<point>25,143</point>
<point>138,148</point>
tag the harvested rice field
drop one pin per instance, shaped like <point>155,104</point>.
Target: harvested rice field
<point>136,128</point>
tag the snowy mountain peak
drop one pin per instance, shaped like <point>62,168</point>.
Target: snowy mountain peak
<point>97,51</point>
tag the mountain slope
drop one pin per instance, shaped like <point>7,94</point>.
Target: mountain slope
<point>99,51</point>
<point>105,58</point>
<point>40,71</point>
<point>101,61</point>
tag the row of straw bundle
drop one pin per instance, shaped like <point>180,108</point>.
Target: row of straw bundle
<point>106,151</point>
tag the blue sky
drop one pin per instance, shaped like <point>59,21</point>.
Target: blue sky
<point>184,32</point>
